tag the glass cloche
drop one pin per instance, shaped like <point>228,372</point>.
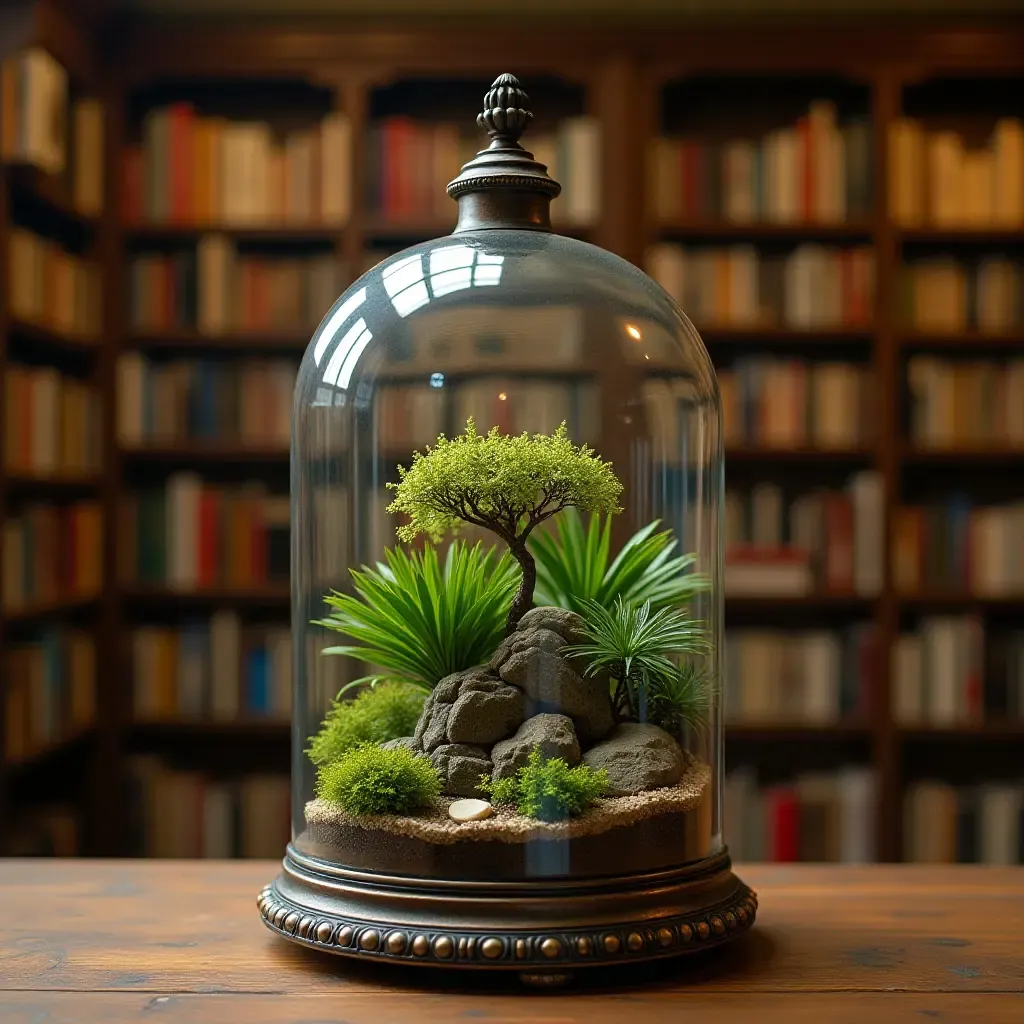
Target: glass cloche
<point>507,488</point>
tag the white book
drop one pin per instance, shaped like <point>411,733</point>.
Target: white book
<point>867,492</point>
<point>183,494</point>
<point>44,111</point>
<point>225,664</point>
<point>740,792</point>
<point>940,669</point>
<point>857,808</point>
<point>999,824</point>
<point>218,823</point>
<point>246,161</point>
<point>822,657</point>
<point>666,263</point>
<point>908,702</point>
<point>581,137</point>
<point>335,169</point>
<point>131,374</point>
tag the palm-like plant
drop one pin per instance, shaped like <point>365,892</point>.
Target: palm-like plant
<point>420,620</point>
<point>639,649</point>
<point>573,566</point>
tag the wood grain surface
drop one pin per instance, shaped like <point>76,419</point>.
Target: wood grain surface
<point>114,941</point>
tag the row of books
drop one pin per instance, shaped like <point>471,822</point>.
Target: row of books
<point>937,180</point>
<point>216,669</point>
<point>814,287</point>
<point>247,402</point>
<point>194,169</point>
<point>189,535</point>
<point>793,403</point>
<point>945,824</point>
<point>176,813</point>
<point>956,404</point>
<point>50,692</point>
<point>943,294</point>
<point>36,127</point>
<point>816,817</point>
<point>410,163</point>
<point>816,171</point>
<point>52,552</point>
<point>410,416</point>
<point>957,546</point>
<point>784,544</point>
<point>216,289</point>
<point>52,423</point>
<point>813,678</point>
<point>52,288</point>
<point>948,672</point>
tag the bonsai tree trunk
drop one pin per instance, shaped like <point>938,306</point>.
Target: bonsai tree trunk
<point>523,601</point>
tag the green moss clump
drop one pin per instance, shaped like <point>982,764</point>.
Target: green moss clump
<point>372,780</point>
<point>375,716</point>
<point>548,790</point>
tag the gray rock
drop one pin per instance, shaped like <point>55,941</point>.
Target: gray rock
<point>637,758</point>
<point>553,734</point>
<point>568,625</point>
<point>526,640</point>
<point>553,685</point>
<point>460,766</point>
<point>484,716</point>
<point>435,730</point>
<point>409,742</point>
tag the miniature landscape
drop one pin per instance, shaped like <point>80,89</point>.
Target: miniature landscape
<point>542,693</point>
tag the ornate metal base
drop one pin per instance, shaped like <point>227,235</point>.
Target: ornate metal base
<point>545,929</point>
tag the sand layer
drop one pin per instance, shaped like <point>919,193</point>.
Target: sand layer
<point>506,825</point>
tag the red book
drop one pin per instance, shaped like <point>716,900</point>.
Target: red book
<point>838,543</point>
<point>181,118</point>
<point>209,537</point>
<point>783,824</point>
<point>805,169</point>
<point>131,185</point>
<point>973,695</point>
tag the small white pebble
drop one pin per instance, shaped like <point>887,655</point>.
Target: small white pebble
<point>470,810</point>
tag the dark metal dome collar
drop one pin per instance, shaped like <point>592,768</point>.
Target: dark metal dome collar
<point>503,186</point>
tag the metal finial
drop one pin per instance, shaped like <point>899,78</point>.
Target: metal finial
<point>505,112</point>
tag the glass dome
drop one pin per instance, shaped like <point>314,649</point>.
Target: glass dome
<point>507,489</point>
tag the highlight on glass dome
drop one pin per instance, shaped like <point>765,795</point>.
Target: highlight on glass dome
<point>506,595</point>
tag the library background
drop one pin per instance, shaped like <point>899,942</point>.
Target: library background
<point>838,207</point>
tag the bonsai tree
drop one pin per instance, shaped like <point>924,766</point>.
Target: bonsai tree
<point>508,485</point>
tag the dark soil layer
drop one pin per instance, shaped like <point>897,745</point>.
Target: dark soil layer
<point>622,835</point>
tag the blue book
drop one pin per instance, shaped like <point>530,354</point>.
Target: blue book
<point>257,687</point>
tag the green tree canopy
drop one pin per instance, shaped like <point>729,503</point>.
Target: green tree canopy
<point>505,484</point>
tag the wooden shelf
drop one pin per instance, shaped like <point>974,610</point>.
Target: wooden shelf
<point>48,337</point>
<point>245,341</point>
<point>297,233</point>
<point>376,226</point>
<point>267,595</point>
<point>959,600</point>
<point>766,231</point>
<point>748,454</point>
<point>999,729</point>
<point>49,609</point>
<point>57,485</point>
<point>769,335</point>
<point>50,192</point>
<point>245,728</point>
<point>797,732</point>
<point>811,602</point>
<point>197,451</point>
<point>941,456</point>
<point>51,751</point>
<point>962,236</point>
<point>960,339</point>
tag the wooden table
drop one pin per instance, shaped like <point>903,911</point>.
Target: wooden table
<point>103,941</point>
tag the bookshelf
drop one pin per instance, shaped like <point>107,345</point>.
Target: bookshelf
<point>619,91</point>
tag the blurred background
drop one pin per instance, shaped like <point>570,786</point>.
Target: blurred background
<point>834,192</point>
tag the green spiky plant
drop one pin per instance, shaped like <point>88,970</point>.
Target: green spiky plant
<point>419,619</point>
<point>506,484</point>
<point>573,566</point>
<point>375,716</point>
<point>548,789</point>
<point>372,780</point>
<point>639,648</point>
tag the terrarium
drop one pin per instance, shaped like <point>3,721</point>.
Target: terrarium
<point>507,488</point>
